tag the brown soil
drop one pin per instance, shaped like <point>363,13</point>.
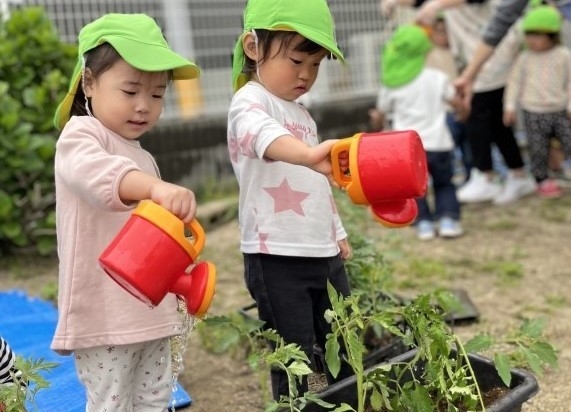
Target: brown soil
<point>533,233</point>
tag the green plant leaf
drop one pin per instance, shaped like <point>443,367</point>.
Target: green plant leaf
<point>532,327</point>
<point>332,356</point>
<point>502,364</point>
<point>533,361</point>
<point>545,352</point>
<point>479,343</point>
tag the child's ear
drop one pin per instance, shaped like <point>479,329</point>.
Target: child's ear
<point>250,46</point>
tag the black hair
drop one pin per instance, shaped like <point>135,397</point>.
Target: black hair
<point>554,37</point>
<point>98,61</point>
<point>266,39</point>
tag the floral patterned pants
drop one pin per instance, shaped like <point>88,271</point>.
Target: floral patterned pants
<point>126,378</point>
<point>539,129</point>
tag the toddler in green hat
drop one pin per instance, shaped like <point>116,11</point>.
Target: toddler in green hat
<point>292,238</point>
<point>415,96</point>
<point>121,347</point>
<point>540,85</point>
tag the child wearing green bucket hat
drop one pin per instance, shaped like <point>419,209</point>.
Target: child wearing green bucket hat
<point>415,97</point>
<point>292,238</point>
<point>540,84</point>
<point>121,346</point>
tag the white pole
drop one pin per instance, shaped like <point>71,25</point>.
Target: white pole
<point>178,29</point>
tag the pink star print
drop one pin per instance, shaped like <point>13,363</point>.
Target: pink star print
<point>286,199</point>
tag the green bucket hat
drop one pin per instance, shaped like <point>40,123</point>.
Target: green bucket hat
<point>543,19</point>
<point>404,55</point>
<point>139,41</point>
<point>310,18</point>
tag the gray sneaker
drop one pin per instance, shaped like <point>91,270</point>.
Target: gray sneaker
<point>425,230</point>
<point>449,228</point>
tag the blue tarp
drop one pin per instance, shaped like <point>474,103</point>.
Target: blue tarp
<point>28,325</point>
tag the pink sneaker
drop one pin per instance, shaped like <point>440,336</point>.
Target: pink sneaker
<point>549,189</point>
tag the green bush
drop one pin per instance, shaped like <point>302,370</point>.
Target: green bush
<point>34,70</point>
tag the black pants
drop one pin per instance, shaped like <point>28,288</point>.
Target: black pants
<point>485,126</point>
<point>291,294</point>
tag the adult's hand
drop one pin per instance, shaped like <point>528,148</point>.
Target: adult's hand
<point>427,12</point>
<point>463,85</point>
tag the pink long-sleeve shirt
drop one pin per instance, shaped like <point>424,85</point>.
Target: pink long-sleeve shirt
<point>90,163</point>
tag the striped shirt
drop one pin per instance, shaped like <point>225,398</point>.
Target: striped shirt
<point>7,359</point>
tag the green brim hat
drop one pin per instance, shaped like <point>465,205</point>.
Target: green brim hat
<point>310,18</point>
<point>139,41</point>
<point>543,19</point>
<point>404,55</point>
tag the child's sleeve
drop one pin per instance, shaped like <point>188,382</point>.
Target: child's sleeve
<point>88,170</point>
<point>251,125</point>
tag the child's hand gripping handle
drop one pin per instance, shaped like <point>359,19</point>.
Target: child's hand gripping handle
<point>338,174</point>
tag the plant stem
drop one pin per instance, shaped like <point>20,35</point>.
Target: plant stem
<point>460,349</point>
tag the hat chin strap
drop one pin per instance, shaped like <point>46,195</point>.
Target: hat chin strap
<point>257,60</point>
<point>87,109</point>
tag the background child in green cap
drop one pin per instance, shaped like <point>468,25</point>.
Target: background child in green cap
<point>292,238</point>
<point>415,97</point>
<point>121,346</point>
<point>540,84</point>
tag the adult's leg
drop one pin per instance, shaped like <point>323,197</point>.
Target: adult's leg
<point>478,132</point>
<point>502,135</point>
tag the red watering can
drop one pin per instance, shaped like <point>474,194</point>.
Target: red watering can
<point>150,255</point>
<point>387,171</point>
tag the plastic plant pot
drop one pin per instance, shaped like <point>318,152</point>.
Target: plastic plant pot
<point>523,386</point>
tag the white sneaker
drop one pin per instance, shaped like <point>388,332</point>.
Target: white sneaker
<point>478,189</point>
<point>515,188</point>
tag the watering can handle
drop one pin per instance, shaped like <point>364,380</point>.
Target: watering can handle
<point>197,233</point>
<point>343,145</point>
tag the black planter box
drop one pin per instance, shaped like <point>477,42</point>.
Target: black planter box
<point>523,386</point>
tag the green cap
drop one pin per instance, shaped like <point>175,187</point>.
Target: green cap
<point>139,41</point>
<point>404,55</point>
<point>310,18</point>
<point>543,19</point>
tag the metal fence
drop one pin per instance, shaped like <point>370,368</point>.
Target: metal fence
<point>205,31</point>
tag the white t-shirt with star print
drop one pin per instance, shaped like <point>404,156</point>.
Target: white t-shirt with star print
<point>284,209</point>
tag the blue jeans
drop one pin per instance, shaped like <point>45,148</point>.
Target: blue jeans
<point>462,150</point>
<point>445,201</point>
<point>291,294</point>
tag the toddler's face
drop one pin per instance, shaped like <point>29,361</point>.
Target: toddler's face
<point>126,100</point>
<point>538,42</point>
<point>289,74</point>
<point>439,34</point>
